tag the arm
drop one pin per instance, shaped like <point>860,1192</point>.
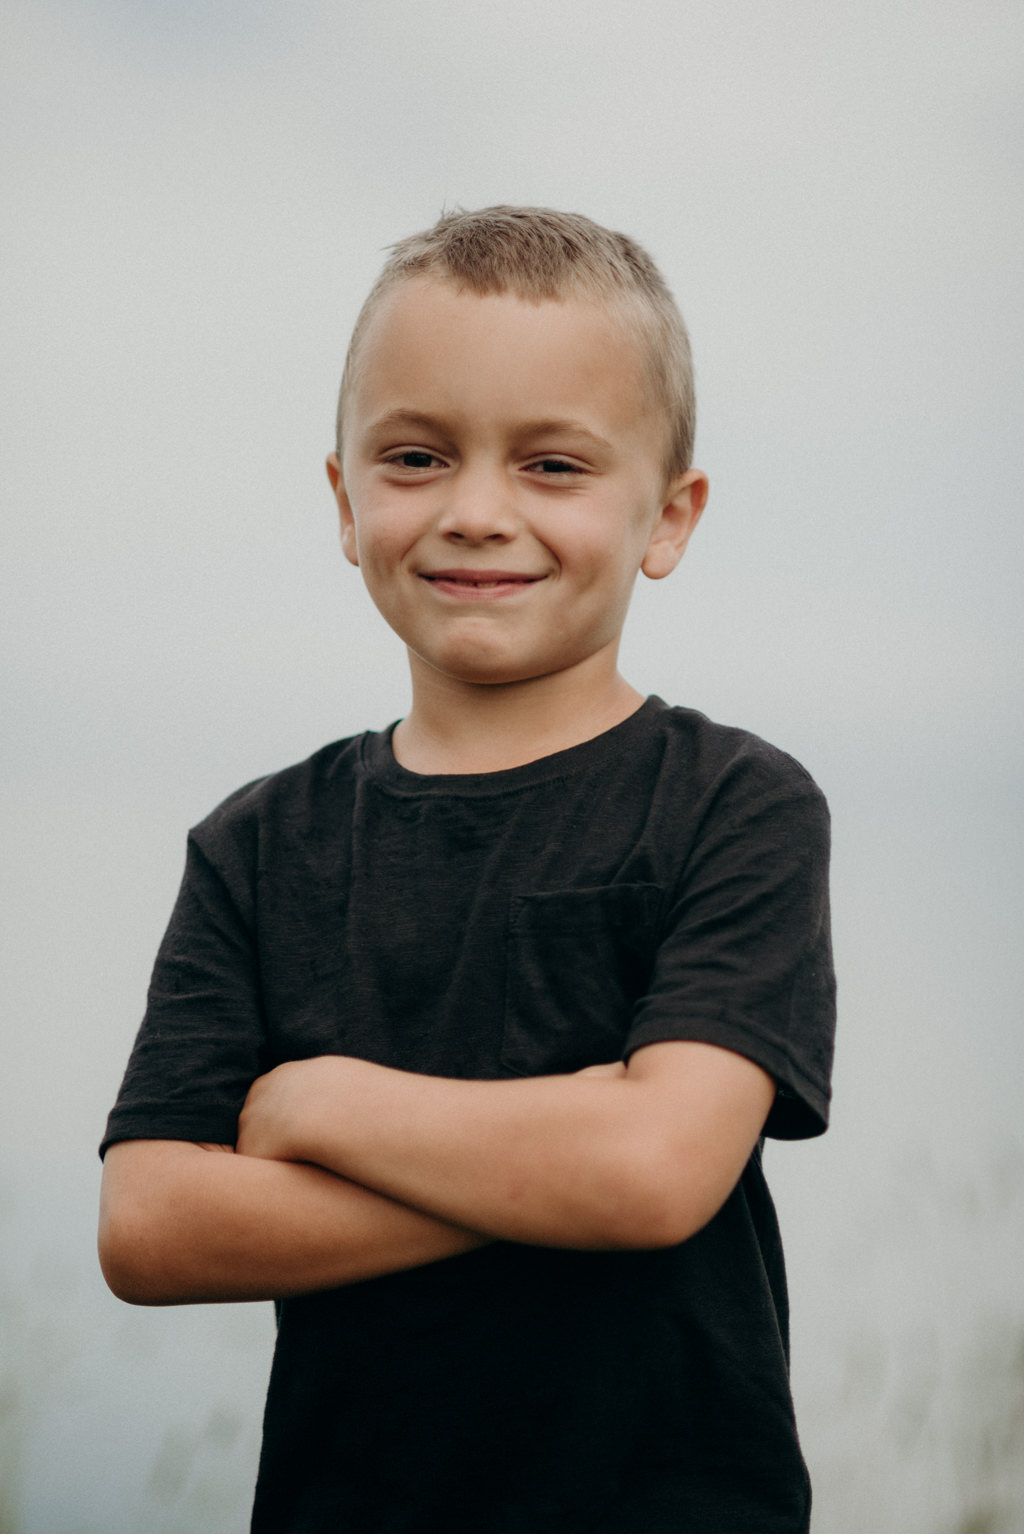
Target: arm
<point>184,1223</point>
<point>641,1157</point>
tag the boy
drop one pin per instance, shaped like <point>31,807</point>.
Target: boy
<point>494,1008</point>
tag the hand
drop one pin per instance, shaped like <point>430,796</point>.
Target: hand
<point>613,1071</point>
<point>281,1107</point>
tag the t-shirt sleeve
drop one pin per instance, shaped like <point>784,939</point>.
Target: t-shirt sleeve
<point>745,961</point>
<point>200,1045</point>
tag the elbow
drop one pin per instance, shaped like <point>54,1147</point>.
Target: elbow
<point>119,1263</point>
<point>656,1205</point>
<point>147,1222</point>
<point>648,1226</point>
<point>131,1262</point>
<point>120,1273</point>
<point>127,1284</point>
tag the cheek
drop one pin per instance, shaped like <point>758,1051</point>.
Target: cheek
<point>381,538</point>
<point>607,557</point>
<point>377,569</point>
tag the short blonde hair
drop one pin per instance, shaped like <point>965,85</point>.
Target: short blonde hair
<point>540,254</point>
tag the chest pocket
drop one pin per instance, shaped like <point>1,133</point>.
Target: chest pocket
<point>577,961</point>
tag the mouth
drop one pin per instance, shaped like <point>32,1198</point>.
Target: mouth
<point>479,583</point>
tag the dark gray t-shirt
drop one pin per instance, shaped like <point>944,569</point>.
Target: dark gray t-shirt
<point>667,880</point>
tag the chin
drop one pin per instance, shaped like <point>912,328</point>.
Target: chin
<point>480,670</point>
<point>483,665</point>
<point>491,676</point>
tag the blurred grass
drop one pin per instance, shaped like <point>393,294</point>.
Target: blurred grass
<point>909,1342</point>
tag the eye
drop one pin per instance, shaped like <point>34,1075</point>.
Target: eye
<point>555,466</point>
<point>414,460</point>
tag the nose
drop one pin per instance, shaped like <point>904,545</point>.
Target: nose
<point>478,506</point>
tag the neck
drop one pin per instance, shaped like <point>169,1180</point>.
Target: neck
<point>456,727</point>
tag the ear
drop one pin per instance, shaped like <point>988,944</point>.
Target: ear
<point>348,521</point>
<point>679,516</point>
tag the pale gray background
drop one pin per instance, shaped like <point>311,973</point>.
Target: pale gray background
<point>196,198</point>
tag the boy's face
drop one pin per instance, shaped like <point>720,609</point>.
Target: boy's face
<point>502,481</point>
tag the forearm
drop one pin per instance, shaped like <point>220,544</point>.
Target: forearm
<point>183,1224</point>
<point>548,1160</point>
<point>641,1159</point>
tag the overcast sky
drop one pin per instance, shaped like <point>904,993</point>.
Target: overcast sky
<point>196,197</point>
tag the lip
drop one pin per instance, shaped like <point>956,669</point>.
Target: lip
<point>479,585</point>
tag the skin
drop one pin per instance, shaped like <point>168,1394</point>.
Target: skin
<point>639,1156</point>
<point>492,435</point>
<point>501,490</point>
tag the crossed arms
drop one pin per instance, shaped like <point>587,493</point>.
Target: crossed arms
<point>345,1170</point>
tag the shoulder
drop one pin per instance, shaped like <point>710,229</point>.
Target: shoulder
<point>290,801</point>
<point>721,761</point>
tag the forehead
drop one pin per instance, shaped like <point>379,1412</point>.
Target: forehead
<point>433,348</point>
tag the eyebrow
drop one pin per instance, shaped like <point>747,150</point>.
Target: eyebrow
<point>395,418</point>
<point>556,427</point>
<point>546,426</point>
